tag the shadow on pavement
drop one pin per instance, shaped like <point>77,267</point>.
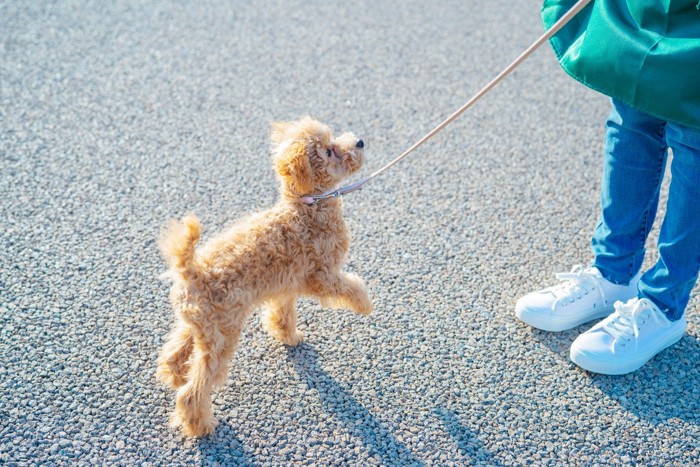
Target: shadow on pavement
<point>357,420</point>
<point>559,342</point>
<point>668,386</point>
<point>468,444</point>
<point>223,446</point>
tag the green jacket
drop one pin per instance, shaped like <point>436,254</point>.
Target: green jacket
<point>645,53</point>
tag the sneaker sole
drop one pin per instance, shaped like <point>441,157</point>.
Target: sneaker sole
<point>559,323</point>
<point>588,363</point>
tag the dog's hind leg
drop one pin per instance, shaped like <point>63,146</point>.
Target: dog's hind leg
<point>232,337</point>
<point>193,411</point>
<point>344,290</point>
<point>280,320</point>
<point>174,359</point>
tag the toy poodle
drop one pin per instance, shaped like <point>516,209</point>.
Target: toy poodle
<point>269,258</point>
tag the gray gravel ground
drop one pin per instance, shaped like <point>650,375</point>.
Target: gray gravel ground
<point>117,116</point>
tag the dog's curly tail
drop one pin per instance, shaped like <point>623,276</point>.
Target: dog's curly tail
<point>177,242</point>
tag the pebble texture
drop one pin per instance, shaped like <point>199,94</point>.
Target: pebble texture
<point>117,116</point>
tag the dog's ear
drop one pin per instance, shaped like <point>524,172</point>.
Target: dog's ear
<point>278,132</point>
<point>292,164</point>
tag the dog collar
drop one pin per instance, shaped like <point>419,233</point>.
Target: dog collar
<point>343,190</point>
<point>311,200</point>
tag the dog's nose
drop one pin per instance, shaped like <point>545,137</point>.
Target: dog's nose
<point>360,144</point>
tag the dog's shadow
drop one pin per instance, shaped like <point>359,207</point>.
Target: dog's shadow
<point>666,387</point>
<point>223,446</point>
<point>468,443</point>
<point>359,422</point>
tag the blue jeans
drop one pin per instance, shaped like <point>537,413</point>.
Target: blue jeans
<point>635,158</point>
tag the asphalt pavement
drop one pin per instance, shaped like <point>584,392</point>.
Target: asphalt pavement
<point>118,116</point>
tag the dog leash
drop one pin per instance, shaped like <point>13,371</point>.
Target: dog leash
<point>344,190</point>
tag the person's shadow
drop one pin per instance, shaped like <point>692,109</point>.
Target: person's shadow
<point>380,442</point>
<point>668,386</point>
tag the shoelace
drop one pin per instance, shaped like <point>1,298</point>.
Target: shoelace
<point>577,283</point>
<point>629,316</point>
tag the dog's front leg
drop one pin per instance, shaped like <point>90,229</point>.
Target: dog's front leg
<point>280,320</point>
<point>343,290</point>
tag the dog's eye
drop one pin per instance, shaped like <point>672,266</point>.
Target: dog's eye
<point>328,152</point>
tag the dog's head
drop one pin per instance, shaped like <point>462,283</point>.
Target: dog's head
<point>309,160</point>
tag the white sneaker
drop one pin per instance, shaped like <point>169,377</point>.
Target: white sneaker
<point>627,339</point>
<point>584,295</point>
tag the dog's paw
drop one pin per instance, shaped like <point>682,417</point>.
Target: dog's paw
<point>365,308</point>
<point>200,428</point>
<point>291,339</point>
<point>281,331</point>
<point>166,376</point>
<point>194,428</point>
<point>294,339</point>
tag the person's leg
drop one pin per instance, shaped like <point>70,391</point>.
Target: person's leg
<point>644,326</point>
<point>669,283</point>
<point>635,159</point>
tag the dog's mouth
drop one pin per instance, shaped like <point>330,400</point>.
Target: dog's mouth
<point>354,160</point>
<point>350,151</point>
<point>342,163</point>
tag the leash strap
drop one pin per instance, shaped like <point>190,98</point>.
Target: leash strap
<point>578,6</point>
